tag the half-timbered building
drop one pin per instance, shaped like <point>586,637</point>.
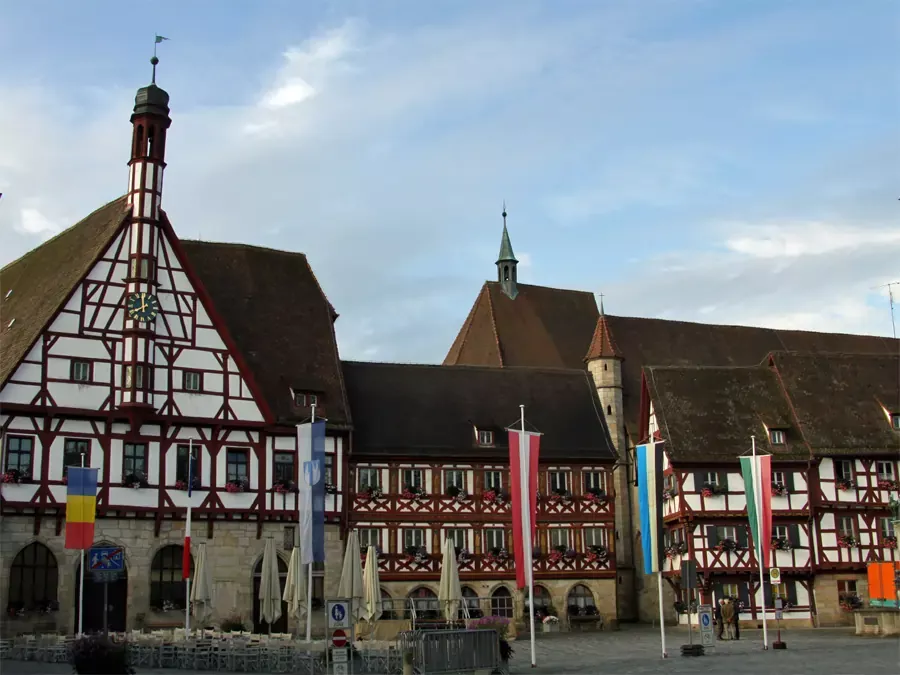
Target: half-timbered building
<point>125,348</point>
<point>430,461</point>
<point>514,324</point>
<point>832,427</point>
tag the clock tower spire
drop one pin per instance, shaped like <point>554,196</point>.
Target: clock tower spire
<point>150,121</point>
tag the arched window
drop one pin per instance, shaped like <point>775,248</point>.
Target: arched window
<point>426,602</point>
<point>139,140</point>
<point>167,589</point>
<point>33,579</point>
<point>151,140</point>
<point>387,605</point>
<point>506,273</point>
<point>604,366</point>
<point>543,604</point>
<point>609,410</point>
<point>502,602</point>
<point>470,598</point>
<point>580,597</point>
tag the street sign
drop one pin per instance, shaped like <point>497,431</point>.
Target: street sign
<point>704,613</point>
<point>106,576</point>
<point>775,575</point>
<point>338,614</point>
<point>340,655</point>
<point>107,559</point>
<point>341,669</point>
<point>339,639</point>
<point>689,574</point>
<point>779,605</point>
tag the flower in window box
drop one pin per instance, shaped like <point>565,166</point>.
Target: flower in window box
<point>330,489</point>
<point>571,553</point>
<point>463,557</point>
<point>237,485</point>
<point>413,492</point>
<point>555,556</point>
<point>285,486</point>
<point>182,484</point>
<point>887,484</point>
<point>889,542</point>
<point>13,476</point>
<point>844,484</point>
<point>670,493</point>
<point>136,480</point>
<point>371,493</point>
<point>496,555</point>
<point>727,545</point>
<point>595,496</point>
<point>676,549</point>
<point>781,544</point>
<point>846,541</point>
<point>488,496</point>
<point>550,619</point>
<point>779,489</point>
<point>706,491</point>
<point>560,495</point>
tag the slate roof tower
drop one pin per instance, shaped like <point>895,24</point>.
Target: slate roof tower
<point>506,263</point>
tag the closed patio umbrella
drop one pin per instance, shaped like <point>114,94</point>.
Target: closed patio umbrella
<point>201,588</point>
<point>351,585</point>
<point>449,591</point>
<point>371,587</point>
<point>269,586</point>
<point>295,587</point>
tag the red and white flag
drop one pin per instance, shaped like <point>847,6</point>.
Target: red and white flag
<point>523,471</point>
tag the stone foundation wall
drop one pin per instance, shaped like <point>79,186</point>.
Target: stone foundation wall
<point>828,608</point>
<point>233,553</point>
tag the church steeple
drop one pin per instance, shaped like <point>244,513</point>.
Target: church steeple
<point>506,263</point>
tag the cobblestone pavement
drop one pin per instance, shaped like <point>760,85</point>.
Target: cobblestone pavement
<point>635,649</point>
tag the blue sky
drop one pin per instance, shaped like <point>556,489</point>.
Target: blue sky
<point>730,162</point>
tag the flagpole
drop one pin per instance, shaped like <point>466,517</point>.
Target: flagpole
<point>662,616</point>
<point>309,569</point>
<point>757,490</point>
<point>187,543</point>
<point>526,538</point>
<point>81,585</point>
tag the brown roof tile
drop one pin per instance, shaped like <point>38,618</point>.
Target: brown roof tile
<point>426,411</point>
<point>603,346</point>
<point>840,400</point>
<point>281,321</point>
<point>708,414</point>
<point>40,282</point>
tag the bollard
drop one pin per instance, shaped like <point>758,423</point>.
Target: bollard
<point>408,662</point>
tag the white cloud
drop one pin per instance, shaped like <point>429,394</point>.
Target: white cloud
<point>34,222</point>
<point>791,240</point>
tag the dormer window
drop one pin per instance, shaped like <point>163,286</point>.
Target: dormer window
<point>776,436</point>
<point>895,421</point>
<point>305,400</point>
<point>484,436</point>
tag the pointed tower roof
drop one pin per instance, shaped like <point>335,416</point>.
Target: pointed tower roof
<point>506,250</point>
<point>603,346</point>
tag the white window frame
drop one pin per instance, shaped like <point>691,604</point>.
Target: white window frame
<point>413,536</point>
<point>779,477</point>
<point>493,485</point>
<point>191,377</point>
<point>493,537</point>
<point>895,421</point>
<point>458,535</point>
<point>887,527</point>
<point>366,472</point>
<point>595,536</point>
<point>366,536</point>
<point>81,370</point>
<point>557,480</point>
<point>728,588</point>
<point>560,536</point>
<point>485,436</point>
<point>594,479</point>
<point>712,478</point>
<point>842,531</point>
<point>412,477</point>
<point>844,464</point>
<point>776,436</point>
<point>780,532</point>
<point>727,532</point>
<point>455,477</point>
<point>885,470</point>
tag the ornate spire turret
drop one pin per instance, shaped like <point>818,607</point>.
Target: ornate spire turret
<point>506,262</point>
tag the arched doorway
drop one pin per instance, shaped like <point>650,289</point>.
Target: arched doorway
<point>33,580</point>
<point>116,596</point>
<point>260,626</point>
<point>580,601</point>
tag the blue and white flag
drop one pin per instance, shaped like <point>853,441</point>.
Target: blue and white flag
<point>311,490</point>
<point>650,501</point>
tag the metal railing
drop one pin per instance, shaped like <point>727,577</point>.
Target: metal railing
<point>452,651</point>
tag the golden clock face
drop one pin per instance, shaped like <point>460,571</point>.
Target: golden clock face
<point>142,306</point>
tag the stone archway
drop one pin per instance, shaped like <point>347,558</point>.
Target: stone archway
<point>116,596</point>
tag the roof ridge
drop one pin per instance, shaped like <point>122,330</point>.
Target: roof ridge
<point>493,369</point>
<point>253,247</point>
<point>546,288</point>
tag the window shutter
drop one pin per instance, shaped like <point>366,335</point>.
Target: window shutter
<point>742,536</point>
<point>718,591</point>
<point>723,479</point>
<point>699,480</point>
<point>744,595</point>
<point>789,480</point>
<point>767,594</point>
<point>794,535</point>
<point>712,536</point>
<point>792,592</point>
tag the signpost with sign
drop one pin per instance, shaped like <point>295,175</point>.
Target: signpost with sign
<point>107,565</point>
<point>340,624</point>
<point>775,575</point>
<point>707,639</point>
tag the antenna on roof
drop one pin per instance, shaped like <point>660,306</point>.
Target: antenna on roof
<point>890,287</point>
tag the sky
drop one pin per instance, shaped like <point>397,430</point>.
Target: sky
<point>723,162</point>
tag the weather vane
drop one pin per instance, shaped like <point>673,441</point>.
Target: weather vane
<point>154,60</point>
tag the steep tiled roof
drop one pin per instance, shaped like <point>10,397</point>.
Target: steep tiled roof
<point>542,327</point>
<point>419,410</point>
<point>39,282</point>
<point>842,401</point>
<point>603,346</point>
<point>709,413</point>
<point>280,320</point>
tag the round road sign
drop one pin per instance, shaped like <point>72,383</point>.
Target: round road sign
<point>705,618</point>
<point>339,638</point>
<point>775,575</point>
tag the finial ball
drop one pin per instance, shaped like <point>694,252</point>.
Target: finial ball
<point>154,60</point>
